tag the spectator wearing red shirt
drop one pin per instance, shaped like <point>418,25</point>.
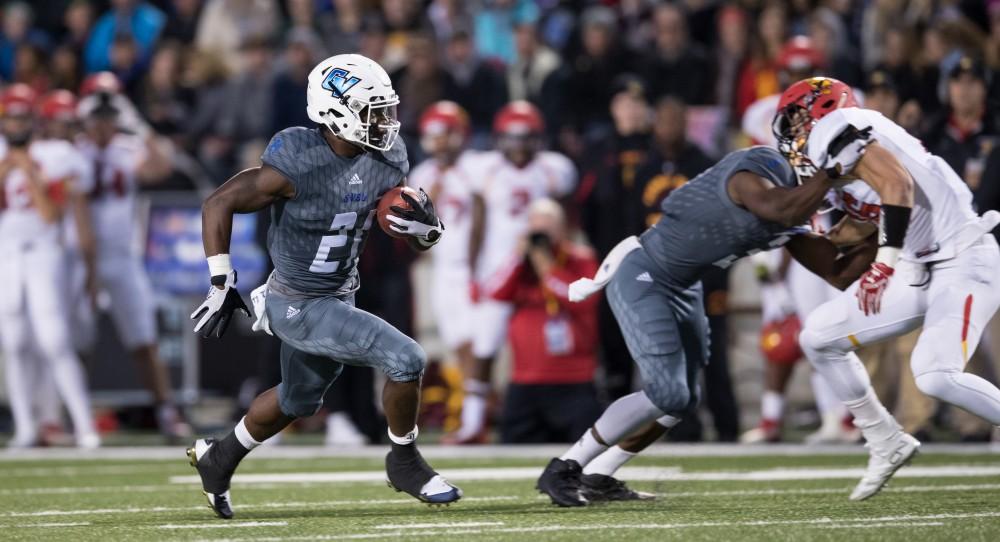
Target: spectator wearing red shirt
<point>551,397</point>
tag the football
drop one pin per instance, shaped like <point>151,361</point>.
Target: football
<point>393,198</point>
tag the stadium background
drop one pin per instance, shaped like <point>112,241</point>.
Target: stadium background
<point>218,77</point>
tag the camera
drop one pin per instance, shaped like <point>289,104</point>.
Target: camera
<point>538,239</point>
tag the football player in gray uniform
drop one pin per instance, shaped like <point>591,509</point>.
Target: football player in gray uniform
<point>750,201</point>
<point>323,185</point>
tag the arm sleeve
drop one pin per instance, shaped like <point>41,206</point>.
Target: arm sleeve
<point>837,142</point>
<point>508,288</point>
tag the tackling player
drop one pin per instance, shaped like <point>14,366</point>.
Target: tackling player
<point>936,265</point>
<point>323,185</point>
<point>507,180</point>
<point>33,181</point>
<point>448,177</point>
<point>750,201</point>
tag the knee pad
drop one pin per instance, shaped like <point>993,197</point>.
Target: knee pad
<point>935,383</point>
<point>669,396</point>
<point>408,364</point>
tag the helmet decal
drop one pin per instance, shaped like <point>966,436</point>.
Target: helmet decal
<point>338,83</point>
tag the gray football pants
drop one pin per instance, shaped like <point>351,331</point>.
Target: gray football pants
<point>666,331</point>
<point>320,335</point>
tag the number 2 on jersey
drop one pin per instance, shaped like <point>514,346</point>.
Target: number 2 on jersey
<point>345,230</point>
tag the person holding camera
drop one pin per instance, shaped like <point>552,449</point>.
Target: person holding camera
<point>551,397</point>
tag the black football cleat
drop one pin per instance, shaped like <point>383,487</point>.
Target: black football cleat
<point>407,472</point>
<point>214,481</point>
<point>561,482</point>
<point>604,488</point>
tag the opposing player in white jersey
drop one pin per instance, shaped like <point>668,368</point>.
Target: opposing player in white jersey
<point>34,175</point>
<point>507,181</point>
<point>936,267</point>
<point>448,176</point>
<point>120,162</point>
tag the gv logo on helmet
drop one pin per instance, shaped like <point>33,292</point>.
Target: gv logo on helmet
<point>338,83</point>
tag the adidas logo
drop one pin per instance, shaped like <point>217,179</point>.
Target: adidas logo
<point>644,277</point>
<point>292,311</point>
<point>355,179</point>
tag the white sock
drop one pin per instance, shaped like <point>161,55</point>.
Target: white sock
<point>872,418</point>
<point>609,462</point>
<point>243,435</point>
<point>474,406</point>
<point>772,405</point>
<point>406,439</point>
<point>585,449</point>
<point>826,400</point>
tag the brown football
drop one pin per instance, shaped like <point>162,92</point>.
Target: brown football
<point>393,198</point>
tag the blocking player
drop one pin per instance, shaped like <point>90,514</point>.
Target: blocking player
<point>120,162</point>
<point>508,180</point>
<point>448,177</point>
<point>33,176</point>
<point>749,201</point>
<point>323,185</point>
<point>936,266</point>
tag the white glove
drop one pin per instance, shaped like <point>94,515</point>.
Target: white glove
<point>217,310</point>
<point>420,220</point>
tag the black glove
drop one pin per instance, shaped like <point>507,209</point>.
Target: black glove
<point>216,311</point>
<point>420,220</point>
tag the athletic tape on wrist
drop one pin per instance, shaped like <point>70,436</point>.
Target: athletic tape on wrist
<point>220,264</point>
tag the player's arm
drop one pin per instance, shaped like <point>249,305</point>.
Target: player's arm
<point>819,255</point>
<point>849,232</point>
<point>38,189</point>
<point>80,207</point>
<point>477,234</point>
<point>788,206</point>
<point>248,191</point>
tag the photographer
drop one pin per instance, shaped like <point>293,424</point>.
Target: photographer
<point>551,397</point>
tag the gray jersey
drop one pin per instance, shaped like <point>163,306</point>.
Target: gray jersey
<point>316,236</point>
<point>701,225</point>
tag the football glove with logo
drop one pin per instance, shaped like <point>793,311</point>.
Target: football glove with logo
<point>216,311</point>
<point>419,220</point>
<point>872,286</point>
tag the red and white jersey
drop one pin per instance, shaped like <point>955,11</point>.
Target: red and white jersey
<point>112,194</point>
<point>453,203</point>
<point>20,221</point>
<point>942,202</point>
<point>508,191</point>
<point>82,182</point>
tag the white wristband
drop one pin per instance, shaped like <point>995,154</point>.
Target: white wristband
<point>887,255</point>
<point>220,264</point>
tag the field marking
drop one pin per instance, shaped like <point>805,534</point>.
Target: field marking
<point>884,521</point>
<point>48,525</point>
<point>642,474</point>
<point>881,525</point>
<point>226,525</point>
<point>439,525</point>
<point>93,470</point>
<point>273,505</point>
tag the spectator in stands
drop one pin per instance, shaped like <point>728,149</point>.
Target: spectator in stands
<point>65,68</point>
<point>759,76</point>
<point>531,73</point>
<point>829,35</point>
<point>967,130</point>
<point>447,17</point>
<point>495,22</point>
<point>30,67</point>
<point>479,87</point>
<point>880,93</point>
<point>182,23</point>
<point>77,20</point>
<point>551,397</point>
<point>341,32</point>
<point>403,20</point>
<point>17,32</point>
<point>676,66</point>
<point>289,95</point>
<point>600,59</point>
<point>423,81</point>
<point>731,54</point>
<point>246,115</point>
<point>226,25</point>
<point>161,99</point>
<point>134,19</point>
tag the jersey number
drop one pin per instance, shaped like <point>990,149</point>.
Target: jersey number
<point>345,229</point>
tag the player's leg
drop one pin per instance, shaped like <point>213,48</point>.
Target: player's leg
<point>963,297</point>
<point>16,341</point>
<point>133,310</point>
<point>454,314</point>
<point>46,295</point>
<point>491,319</point>
<point>829,337</point>
<point>334,328</point>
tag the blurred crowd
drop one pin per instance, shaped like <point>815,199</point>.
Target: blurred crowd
<point>631,99</point>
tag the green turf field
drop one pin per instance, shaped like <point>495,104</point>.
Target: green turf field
<point>720,498</point>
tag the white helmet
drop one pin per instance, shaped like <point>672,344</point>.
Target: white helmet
<point>353,96</point>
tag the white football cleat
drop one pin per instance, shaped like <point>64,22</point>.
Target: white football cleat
<point>885,458</point>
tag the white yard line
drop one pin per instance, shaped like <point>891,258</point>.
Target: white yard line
<point>273,505</point>
<point>465,524</point>
<point>881,525</point>
<point>225,525</point>
<point>159,453</point>
<point>627,473</point>
<point>48,525</point>
<point>884,521</point>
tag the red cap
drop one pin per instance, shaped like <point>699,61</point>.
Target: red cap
<point>101,82</point>
<point>518,118</point>
<point>18,99</point>
<point>444,116</point>
<point>799,54</point>
<point>58,105</point>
